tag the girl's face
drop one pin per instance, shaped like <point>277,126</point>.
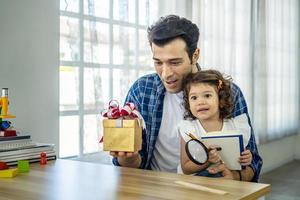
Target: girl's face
<point>204,102</point>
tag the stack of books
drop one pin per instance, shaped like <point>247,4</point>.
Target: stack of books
<point>21,147</point>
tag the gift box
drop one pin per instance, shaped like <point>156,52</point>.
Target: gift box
<point>122,135</point>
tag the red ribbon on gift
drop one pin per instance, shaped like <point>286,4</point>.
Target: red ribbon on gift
<point>114,111</point>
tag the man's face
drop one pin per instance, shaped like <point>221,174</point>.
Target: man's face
<point>172,64</point>
<point>204,102</point>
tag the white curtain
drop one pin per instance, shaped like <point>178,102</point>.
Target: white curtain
<point>257,43</point>
<point>282,68</point>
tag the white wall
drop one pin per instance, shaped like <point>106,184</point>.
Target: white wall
<point>29,60</point>
<point>279,152</point>
<point>297,148</point>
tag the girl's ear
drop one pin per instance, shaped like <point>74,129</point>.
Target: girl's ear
<point>196,56</point>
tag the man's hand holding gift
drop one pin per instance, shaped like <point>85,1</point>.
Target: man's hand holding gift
<point>121,116</point>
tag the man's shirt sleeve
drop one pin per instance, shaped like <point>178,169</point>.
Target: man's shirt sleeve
<point>134,97</point>
<point>240,107</point>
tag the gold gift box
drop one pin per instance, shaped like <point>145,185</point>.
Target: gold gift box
<point>122,135</point>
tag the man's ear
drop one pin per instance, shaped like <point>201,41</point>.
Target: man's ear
<point>196,56</point>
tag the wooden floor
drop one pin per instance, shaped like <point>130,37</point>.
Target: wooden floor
<point>285,182</point>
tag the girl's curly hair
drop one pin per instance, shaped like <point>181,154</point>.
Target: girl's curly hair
<point>222,85</point>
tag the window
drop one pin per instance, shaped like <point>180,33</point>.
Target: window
<point>103,49</point>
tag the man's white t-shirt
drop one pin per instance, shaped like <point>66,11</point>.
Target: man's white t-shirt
<point>167,147</point>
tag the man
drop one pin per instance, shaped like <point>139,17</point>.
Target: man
<point>159,98</point>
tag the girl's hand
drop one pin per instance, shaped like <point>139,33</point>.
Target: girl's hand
<point>213,155</point>
<point>246,158</point>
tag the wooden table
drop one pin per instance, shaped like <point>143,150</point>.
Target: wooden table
<point>68,180</point>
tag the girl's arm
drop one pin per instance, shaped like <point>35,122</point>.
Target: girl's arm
<point>188,167</point>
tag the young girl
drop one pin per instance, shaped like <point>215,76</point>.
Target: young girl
<point>208,103</point>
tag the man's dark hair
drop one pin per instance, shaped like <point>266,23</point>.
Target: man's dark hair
<point>172,26</point>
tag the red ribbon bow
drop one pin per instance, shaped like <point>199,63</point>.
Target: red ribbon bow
<point>115,112</point>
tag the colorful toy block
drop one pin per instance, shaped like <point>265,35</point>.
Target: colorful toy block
<point>3,165</point>
<point>23,166</point>
<point>8,173</point>
<point>43,160</point>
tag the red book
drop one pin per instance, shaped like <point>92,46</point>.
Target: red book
<point>8,133</point>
